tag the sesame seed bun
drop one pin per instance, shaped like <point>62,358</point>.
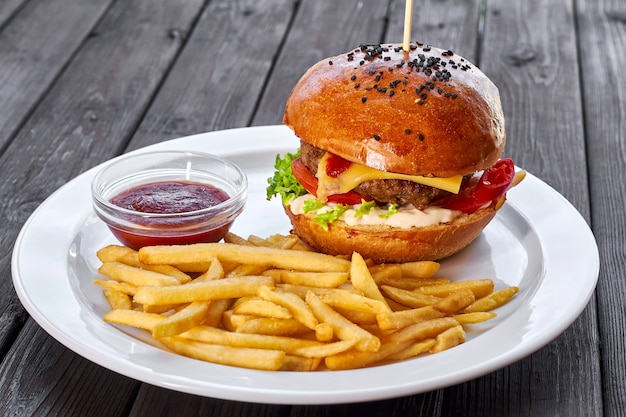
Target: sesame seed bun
<point>426,112</point>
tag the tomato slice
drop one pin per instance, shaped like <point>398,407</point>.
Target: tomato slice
<point>309,182</point>
<point>493,183</point>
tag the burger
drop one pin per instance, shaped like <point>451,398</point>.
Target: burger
<point>400,154</point>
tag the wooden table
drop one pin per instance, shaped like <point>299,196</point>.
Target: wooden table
<point>83,81</point>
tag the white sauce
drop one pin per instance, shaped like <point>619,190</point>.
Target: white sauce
<point>406,217</point>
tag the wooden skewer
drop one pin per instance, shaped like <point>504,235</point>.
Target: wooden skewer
<point>408,17</point>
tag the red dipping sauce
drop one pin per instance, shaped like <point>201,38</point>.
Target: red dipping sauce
<point>178,217</point>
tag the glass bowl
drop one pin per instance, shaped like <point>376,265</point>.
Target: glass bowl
<point>170,190</point>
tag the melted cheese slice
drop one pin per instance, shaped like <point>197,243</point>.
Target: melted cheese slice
<point>357,173</point>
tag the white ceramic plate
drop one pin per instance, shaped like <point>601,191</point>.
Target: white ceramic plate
<point>538,242</point>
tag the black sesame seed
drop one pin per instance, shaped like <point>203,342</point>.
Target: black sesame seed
<point>363,99</point>
<point>357,85</point>
<point>407,131</point>
<point>420,137</point>
<point>353,77</point>
<point>391,93</point>
<point>376,137</point>
<point>330,62</point>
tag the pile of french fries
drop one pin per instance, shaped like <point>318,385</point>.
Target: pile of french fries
<point>273,304</point>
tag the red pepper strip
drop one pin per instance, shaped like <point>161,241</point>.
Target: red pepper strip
<point>309,182</point>
<point>493,183</point>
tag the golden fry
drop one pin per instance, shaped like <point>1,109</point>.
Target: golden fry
<point>185,319</point>
<point>474,318</point>
<point>262,308</point>
<point>128,256</point>
<point>362,279</point>
<point>122,287</point>
<point>343,328</point>
<point>134,318</point>
<point>273,327</point>
<point>135,276</point>
<point>117,299</point>
<point>215,271</point>
<point>279,258</point>
<point>275,304</point>
<point>296,305</point>
<point>409,298</point>
<point>202,291</point>
<point>311,279</point>
<point>480,288</point>
<point>351,301</point>
<point>493,300</point>
<point>263,359</point>
<point>448,338</point>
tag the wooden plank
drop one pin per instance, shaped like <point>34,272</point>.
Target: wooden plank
<point>60,384</point>
<point>530,51</point>
<point>602,40</point>
<point>153,401</point>
<point>86,117</point>
<point>219,76</point>
<point>320,29</point>
<point>35,45</point>
<point>8,8</point>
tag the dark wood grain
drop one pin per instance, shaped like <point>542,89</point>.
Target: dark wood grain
<point>602,41</point>
<point>86,117</point>
<point>220,74</point>
<point>82,81</point>
<point>319,30</point>
<point>32,55</point>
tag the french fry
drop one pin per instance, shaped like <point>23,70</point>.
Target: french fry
<point>263,308</point>
<point>279,258</point>
<point>134,318</point>
<point>296,305</point>
<point>343,328</point>
<point>351,301</point>
<point>215,271</point>
<point>294,363</point>
<point>408,283</point>
<point>273,327</point>
<point>135,276</point>
<point>385,271</point>
<point>128,256</point>
<point>122,287</point>
<point>324,332</point>
<point>448,338</point>
<point>202,291</point>
<point>261,359</point>
<point>494,300</point>
<point>275,304</point>
<point>480,288</point>
<point>455,302</point>
<point>216,310</point>
<point>311,279</point>
<point>474,318</point>
<point>413,350</point>
<point>420,269</point>
<point>117,299</point>
<point>404,318</point>
<point>185,319</point>
<point>409,298</point>
<point>362,280</point>
<point>392,344</point>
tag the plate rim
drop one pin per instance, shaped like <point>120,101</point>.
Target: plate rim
<point>255,393</point>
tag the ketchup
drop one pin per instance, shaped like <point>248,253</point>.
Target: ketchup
<point>170,197</point>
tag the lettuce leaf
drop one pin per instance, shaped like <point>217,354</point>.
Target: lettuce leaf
<point>283,183</point>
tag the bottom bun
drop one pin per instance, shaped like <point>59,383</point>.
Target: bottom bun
<point>391,244</point>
